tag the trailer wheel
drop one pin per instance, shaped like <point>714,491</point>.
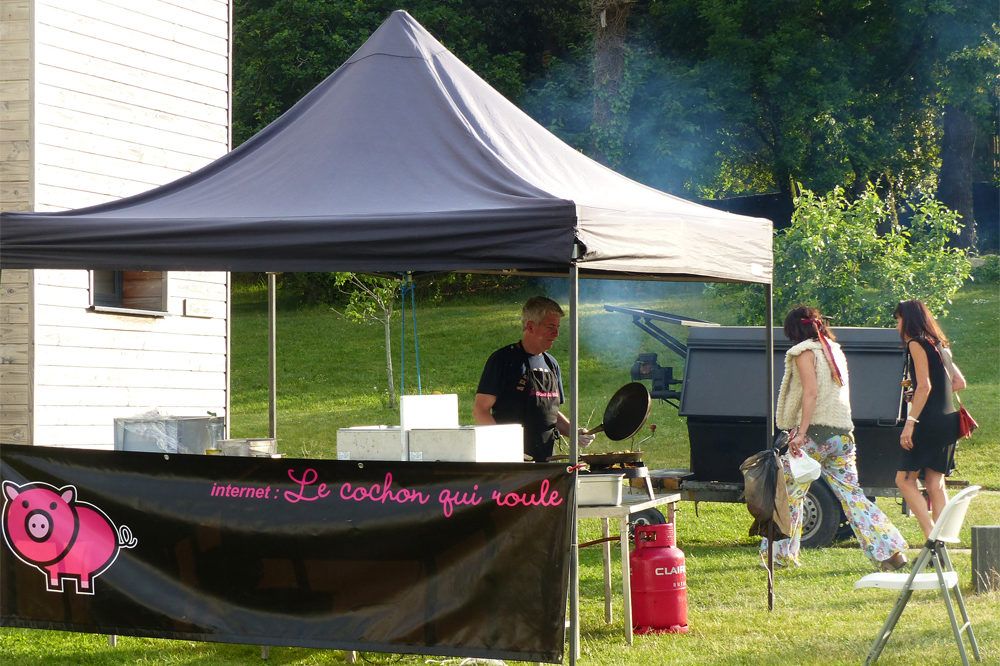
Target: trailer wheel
<point>821,516</point>
<point>844,530</point>
<point>646,517</point>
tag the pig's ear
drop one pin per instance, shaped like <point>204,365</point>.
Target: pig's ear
<point>10,489</point>
<point>68,494</point>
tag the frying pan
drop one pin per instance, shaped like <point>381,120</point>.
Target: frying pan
<point>627,410</point>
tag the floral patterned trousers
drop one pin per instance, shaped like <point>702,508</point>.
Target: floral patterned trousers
<point>878,537</point>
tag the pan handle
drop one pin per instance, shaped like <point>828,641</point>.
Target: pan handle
<point>594,431</point>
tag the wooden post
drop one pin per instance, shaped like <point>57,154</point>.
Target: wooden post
<point>985,558</point>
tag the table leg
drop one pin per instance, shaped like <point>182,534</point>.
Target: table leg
<point>671,515</point>
<point>626,579</point>
<point>606,533</point>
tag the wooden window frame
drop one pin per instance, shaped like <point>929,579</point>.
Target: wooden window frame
<point>118,303</point>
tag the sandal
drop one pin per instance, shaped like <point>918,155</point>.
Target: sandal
<point>895,562</point>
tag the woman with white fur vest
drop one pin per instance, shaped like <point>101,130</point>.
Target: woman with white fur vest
<point>814,406</point>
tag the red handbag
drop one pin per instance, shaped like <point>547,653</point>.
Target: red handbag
<point>966,424</point>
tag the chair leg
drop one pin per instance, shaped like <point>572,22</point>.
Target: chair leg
<point>967,623</point>
<point>890,624</point>
<point>946,595</point>
<point>897,610</point>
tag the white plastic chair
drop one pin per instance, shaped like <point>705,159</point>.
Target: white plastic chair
<point>944,577</point>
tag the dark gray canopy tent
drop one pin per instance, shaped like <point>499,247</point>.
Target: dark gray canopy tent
<point>401,160</point>
<point>404,160</point>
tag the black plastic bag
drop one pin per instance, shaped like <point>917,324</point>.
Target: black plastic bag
<point>766,495</point>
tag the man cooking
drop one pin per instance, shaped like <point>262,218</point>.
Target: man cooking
<point>521,383</point>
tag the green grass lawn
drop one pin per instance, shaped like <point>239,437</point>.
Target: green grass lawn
<point>331,375</point>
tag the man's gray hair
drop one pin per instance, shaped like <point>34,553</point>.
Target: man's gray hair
<point>537,307</point>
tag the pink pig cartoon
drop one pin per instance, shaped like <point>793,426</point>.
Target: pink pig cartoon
<point>50,529</point>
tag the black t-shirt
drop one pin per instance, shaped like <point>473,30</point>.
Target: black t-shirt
<point>528,389</point>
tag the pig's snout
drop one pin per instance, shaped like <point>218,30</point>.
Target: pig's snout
<point>38,524</point>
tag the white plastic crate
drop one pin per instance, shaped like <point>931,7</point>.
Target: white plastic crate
<point>380,442</point>
<point>481,443</point>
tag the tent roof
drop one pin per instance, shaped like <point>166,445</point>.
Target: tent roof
<point>403,159</point>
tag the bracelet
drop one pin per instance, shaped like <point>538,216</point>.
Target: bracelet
<point>912,418</point>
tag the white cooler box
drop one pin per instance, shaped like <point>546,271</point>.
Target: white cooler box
<point>599,489</point>
<point>379,442</point>
<point>481,443</point>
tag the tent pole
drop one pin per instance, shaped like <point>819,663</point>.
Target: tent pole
<point>769,337</point>
<point>769,435</point>
<point>272,356</point>
<point>574,424</point>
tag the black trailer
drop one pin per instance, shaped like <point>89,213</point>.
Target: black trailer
<point>720,396</point>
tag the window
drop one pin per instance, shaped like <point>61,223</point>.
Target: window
<point>129,292</point>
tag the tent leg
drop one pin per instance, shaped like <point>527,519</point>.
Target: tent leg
<point>770,566</point>
<point>769,433</point>
<point>272,356</point>
<point>574,421</point>
<point>769,350</point>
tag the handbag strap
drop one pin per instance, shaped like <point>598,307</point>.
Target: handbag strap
<point>949,366</point>
<point>946,364</point>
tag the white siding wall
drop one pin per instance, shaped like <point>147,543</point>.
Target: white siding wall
<point>129,94</point>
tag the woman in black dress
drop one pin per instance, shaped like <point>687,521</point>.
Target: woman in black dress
<point>931,427</point>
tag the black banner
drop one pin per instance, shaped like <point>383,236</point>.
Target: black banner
<point>453,559</point>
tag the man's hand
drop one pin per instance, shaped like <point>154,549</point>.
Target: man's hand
<point>583,439</point>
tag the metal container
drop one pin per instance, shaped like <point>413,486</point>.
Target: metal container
<point>167,434</point>
<point>658,582</point>
<point>599,489</point>
<point>235,447</point>
<point>262,447</point>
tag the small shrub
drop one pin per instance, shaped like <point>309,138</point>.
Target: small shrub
<point>988,272</point>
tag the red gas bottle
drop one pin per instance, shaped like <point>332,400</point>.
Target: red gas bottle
<point>659,585</point>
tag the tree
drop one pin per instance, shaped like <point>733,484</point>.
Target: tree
<point>371,299</point>
<point>835,257</point>
<point>822,95</point>
<point>969,72</point>
<point>727,98</point>
<point>611,94</point>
